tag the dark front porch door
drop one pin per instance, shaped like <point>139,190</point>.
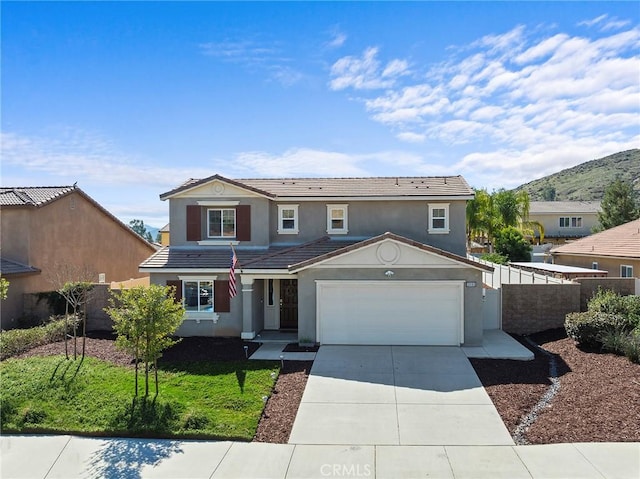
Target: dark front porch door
<point>288,304</point>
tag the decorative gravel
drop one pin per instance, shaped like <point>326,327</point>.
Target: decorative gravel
<point>596,398</point>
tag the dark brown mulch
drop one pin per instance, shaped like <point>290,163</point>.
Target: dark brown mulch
<point>513,386</point>
<point>296,348</point>
<point>598,400</point>
<point>102,346</point>
<point>282,407</point>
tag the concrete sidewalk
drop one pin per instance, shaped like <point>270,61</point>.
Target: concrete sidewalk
<point>49,457</point>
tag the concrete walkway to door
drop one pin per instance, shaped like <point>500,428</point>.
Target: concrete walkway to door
<point>396,395</point>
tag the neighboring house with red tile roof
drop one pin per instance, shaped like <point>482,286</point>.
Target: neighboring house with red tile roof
<point>340,260</point>
<point>616,250</point>
<point>42,227</point>
<point>565,220</point>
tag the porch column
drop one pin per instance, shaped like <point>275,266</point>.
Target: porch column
<point>247,307</point>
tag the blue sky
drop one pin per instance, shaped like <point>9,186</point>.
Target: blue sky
<point>132,99</point>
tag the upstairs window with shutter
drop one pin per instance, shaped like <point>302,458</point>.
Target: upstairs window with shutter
<point>221,222</point>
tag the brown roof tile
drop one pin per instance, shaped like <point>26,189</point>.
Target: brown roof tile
<point>622,241</point>
<point>32,195</point>
<point>344,187</point>
<point>8,267</point>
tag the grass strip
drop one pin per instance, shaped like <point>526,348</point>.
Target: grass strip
<point>213,400</point>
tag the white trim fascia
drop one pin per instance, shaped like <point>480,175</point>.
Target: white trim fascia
<point>200,277</point>
<point>257,273</point>
<point>373,198</point>
<point>393,266</point>
<point>269,274</point>
<point>217,203</point>
<point>196,271</point>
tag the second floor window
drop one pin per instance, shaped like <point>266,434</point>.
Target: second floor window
<point>288,219</point>
<point>337,219</point>
<point>571,222</point>
<point>439,218</point>
<point>626,271</point>
<point>222,223</point>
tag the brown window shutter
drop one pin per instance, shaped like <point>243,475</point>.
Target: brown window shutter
<point>221,300</point>
<point>194,223</point>
<point>243,222</point>
<point>177,294</point>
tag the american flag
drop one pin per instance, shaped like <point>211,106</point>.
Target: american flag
<point>232,275</point>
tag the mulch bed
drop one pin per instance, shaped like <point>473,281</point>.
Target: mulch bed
<point>296,348</point>
<point>281,408</point>
<point>598,400</point>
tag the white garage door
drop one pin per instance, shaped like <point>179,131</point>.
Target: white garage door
<point>390,312</point>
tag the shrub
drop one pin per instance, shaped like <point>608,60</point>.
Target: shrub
<point>16,341</point>
<point>631,347</point>
<point>495,258</point>
<point>588,328</point>
<point>511,243</point>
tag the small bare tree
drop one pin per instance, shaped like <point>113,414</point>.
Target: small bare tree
<point>75,285</point>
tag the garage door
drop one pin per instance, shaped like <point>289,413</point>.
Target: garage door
<point>385,312</point>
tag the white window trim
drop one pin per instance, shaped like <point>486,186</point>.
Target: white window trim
<point>198,316</point>
<point>296,220</point>
<point>235,224</point>
<point>626,266</point>
<point>569,222</point>
<point>437,206</point>
<point>338,231</point>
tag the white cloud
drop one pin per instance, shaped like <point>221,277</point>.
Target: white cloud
<point>257,56</point>
<point>411,137</point>
<point>338,38</point>
<point>366,72</point>
<point>522,103</point>
<point>605,23</point>
<point>88,158</point>
<point>297,162</point>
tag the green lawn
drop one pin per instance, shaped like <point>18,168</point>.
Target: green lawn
<point>203,399</point>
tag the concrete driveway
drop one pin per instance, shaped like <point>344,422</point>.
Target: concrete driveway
<point>396,395</point>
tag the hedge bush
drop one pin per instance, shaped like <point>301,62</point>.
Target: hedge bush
<point>16,341</point>
<point>611,322</point>
<point>588,328</point>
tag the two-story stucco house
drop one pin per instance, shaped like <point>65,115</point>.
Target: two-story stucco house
<point>565,220</point>
<point>45,227</point>
<point>340,260</point>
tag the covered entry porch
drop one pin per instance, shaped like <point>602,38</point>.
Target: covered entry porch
<point>269,305</point>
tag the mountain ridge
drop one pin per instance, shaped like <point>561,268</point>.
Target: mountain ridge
<point>587,181</point>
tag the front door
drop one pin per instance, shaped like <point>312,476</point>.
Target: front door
<point>288,304</point>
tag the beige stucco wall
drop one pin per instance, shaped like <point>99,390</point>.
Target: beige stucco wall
<point>68,231</point>
<point>611,265</point>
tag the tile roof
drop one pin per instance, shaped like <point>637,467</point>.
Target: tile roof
<point>291,258</point>
<point>273,257</point>
<point>382,237</point>
<point>622,241</point>
<point>541,207</point>
<point>8,267</point>
<point>32,195</point>
<point>343,187</point>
